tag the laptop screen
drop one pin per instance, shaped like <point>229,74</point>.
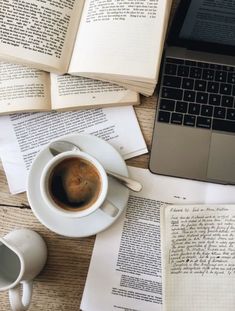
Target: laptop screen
<point>205,25</point>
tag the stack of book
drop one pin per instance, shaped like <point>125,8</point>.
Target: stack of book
<point>79,54</point>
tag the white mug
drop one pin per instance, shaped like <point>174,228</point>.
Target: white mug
<point>101,201</point>
<point>23,254</point>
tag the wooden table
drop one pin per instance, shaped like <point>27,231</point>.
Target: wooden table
<point>60,285</point>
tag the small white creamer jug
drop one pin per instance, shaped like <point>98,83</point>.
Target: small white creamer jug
<point>23,254</point>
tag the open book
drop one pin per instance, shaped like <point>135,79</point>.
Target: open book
<point>198,257</point>
<point>118,41</point>
<point>26,89</point>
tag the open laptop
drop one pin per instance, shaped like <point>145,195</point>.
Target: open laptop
<point>194,133</point>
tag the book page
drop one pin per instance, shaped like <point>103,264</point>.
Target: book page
<point>23,89</point>
<point>125,268</point>
<point>78,92</point>
<point>39,32</point>
<point>123,38</point>
<point>145,88</point>
<point>23,135</point>
<point>198,257</point>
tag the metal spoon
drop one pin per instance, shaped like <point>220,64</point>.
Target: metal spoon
<point>60,146</point>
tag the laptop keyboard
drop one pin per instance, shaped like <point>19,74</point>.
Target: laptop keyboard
<point>198,94</point>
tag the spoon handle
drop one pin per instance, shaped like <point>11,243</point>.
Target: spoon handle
<point>126,181</point>
<point>57,147</point>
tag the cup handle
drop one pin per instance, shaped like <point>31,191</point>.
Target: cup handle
<point>109,208</point>
<point>18,302</point>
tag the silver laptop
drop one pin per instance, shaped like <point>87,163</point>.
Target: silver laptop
<point>194,133</point>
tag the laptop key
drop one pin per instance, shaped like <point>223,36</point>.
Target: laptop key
<point>225,89</point>
<point>221,76</point>
<point>214,99</point>
<point>202,65</point>
<point>187,83</point>
<point>194,109</point>
<point>223,125</point>
<point>218,67</point>
<point>200,85</point>
<point>167,104</point>
<point>208,74</point>
<point>231,114</point>
<point>170,69</point>
<point>206,110</point>
<point>213,87</point>
<point>195,72</point>
<point>172,81</point>
<point>183,71</point>
<point>203,122</point>
<point>176,118</point>
<point>181,106</point>
<point>231,77</point>
<point>227,68</point>
<point>172,93</point>
<point>219,112</point>
<point>227,101</point>
<point>189,120</point>
<point>189,96</point>
<point>190,63</point>
<point>202,98</point>
<point>164,116</point>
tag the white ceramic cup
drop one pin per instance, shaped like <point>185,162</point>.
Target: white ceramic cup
<point>23,254</point>
<point>98,203</point>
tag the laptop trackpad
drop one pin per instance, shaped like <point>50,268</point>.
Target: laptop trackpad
<point>221,164</point>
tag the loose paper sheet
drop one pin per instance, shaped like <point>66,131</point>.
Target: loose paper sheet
<point>23,135</point>
<point>125,268</point>
<point>198,257</point>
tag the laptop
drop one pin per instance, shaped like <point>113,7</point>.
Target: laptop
<point>194,133</point>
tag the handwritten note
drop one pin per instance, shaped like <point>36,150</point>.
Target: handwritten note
<point>202,240</point>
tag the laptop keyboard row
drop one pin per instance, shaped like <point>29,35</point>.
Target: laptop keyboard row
<point>198,94</point>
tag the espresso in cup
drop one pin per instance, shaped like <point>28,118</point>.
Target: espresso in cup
<point>74,184</point>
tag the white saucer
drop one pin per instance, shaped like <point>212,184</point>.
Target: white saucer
<point>96,221</point>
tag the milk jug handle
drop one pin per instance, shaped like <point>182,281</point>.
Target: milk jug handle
<point>21,302</point>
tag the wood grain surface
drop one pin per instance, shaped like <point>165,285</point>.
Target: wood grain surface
<point>60,285</point>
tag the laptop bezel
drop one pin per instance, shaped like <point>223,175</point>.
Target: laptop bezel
<point>174,39</point>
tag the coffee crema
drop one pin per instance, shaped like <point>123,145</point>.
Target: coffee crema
<point>74,184</point>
